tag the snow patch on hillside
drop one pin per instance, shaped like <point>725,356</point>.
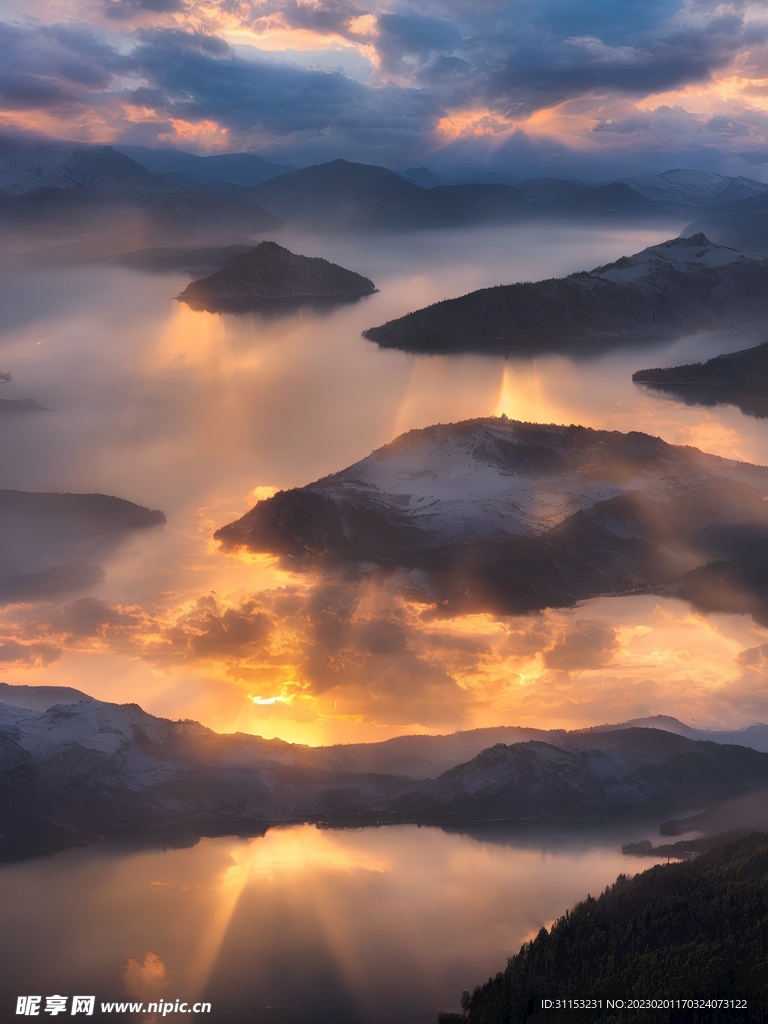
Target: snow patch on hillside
<point>696,188</point>
<point>684,255</point>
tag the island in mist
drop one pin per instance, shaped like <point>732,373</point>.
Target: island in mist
<point>493,514</point>
<point>678,287</point>
<point>737,378</point>
<point>269,276</point>
<point>50,543</point>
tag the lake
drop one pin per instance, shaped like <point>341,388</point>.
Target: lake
<point>369,926</point>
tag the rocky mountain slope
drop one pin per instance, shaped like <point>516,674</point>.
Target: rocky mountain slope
<point>496,514</point>
<point>85,769</point>
<point>268,274</point>
<point>679,287</point>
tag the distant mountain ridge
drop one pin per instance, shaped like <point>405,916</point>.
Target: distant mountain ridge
<point>342,195</point>
<point>245,169</point>
<point>49,186</point>
<point>59,177</point>
<point>77,772</point>
<point>422,756</point>
<point>695,188</point>
<point>69,167</point>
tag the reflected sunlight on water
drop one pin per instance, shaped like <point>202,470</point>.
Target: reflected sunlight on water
<point>372,925</point>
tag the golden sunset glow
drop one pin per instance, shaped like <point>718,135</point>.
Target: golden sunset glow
<point>720,96</point>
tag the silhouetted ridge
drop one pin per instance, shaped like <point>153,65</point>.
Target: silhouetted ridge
<point>737,378</point>
<point>679,287</point>
<point>269,273</point>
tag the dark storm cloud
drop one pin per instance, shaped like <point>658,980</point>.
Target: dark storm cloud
<point>535,54</point>
<point>122,10</point>
<point>413,37</point>
<point>53,66</point>
<point>198,77</point>
<point>636,57</point>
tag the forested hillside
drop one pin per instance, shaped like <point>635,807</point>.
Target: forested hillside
<point>697,930</point>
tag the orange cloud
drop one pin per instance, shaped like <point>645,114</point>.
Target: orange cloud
<point>570,121</point>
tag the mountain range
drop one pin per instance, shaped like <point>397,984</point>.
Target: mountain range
<point>45,183</point>
<point>81,770</point>
<point>344,195</point>
<point>695,188</point>
<point>679,287</point>
<point>244,169</point>
<point>49,187</point>
<point>494,514</point>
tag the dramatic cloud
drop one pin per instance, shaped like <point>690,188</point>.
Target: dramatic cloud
<point>322,655</point>
<point>510,84</point>
<point>55,66</point>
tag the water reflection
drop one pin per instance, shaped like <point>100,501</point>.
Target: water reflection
<point>384,925</point>
<point>750,399</point>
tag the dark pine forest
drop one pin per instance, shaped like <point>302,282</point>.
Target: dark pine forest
<point>691,930</point>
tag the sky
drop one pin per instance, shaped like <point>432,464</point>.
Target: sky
<point>591,89</point>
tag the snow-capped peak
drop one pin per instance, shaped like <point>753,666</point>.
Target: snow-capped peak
<point>681,254</point>
<point>694,188</point>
